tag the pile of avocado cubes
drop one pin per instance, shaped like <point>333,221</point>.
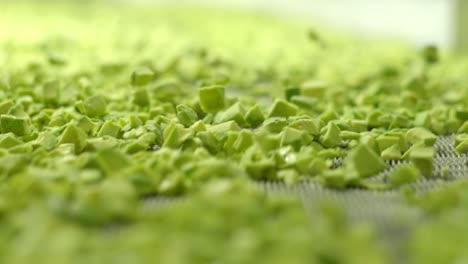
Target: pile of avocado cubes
<point>105,107</point>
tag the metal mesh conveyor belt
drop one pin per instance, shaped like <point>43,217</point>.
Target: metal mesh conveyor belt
<point>385,210</point>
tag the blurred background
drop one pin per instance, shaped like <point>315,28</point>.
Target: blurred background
<point>440,22</point>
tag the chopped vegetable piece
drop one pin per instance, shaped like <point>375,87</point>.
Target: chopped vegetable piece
<point>142,76</point>
<point>363,162</point>
<point>95,106</point>
<point>331,137</point>
<point>255,116</point>
<point>404,174</point>
<point>109,128</point>
<point>420,134</point>
<point>282,108</point>
<point>186,115</point>
<point>74,135</point>
<point>391,153</point>
<point>211,98</point>
<point>16,125</point>
<point>422,158</point>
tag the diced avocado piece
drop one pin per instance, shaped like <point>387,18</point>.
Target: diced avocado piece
<point>289,176</point>
<point>292,136</point>
<point>255,116</point>
<point>175,135</point>
<point>111,161</point>
<point>5,106</point>
<point>391,153</point>
<point>22,148</point>
<point>186,115</point>
<point>244,141</point>
<point>419,134</point>
<point>291,91</point>
<point>463,128</point>
<point>275,124</point>
<point>86,125</point>
<point>462,147</point>
<point>282,108</point>
<point>363,162</point>
<point>331,137</point>
<point>311,126</point>
<point>47,140</point>
<point>234,113</point>
<point>384,142</point>
<point>220,131</point>
<point>142,76</point>
<point>51,91</point>
<point>358,125</point>
<point>211,98</point>
<point>422,158</point>
<point>329,115</point>
<point>268,141</point>
<point>106,142</point>
<point>95,106</point>
<point>141,97</point>
<point>304,101</point>
<point>16,125</point>
<point>350,135</point>
<point>74,135</point>
<point>404,174</point>
<point>314,88</point>
<point>262,169</point>
<point>109,128</point>
<point>333,178</point>
<point>9,140</point>
<point>198,126</point>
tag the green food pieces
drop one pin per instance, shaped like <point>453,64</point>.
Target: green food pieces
<point>282,108</point>
<point>404,174</point>
<point>47,140</point>
<point>292,136</point>
<point>111,161</point>
<point>243,141</point>
<point>74,135</point>
<point>95,106</point>
<point>220,131</point>
<point>5,106</point>
<point>16,125</point>
<point>275,124</point>
<point>334,178</point>
<point>175,134</point>
<point>51,92</point>
<point>310,126</point>
<point>109,128</point>
<point>331,137</point>
<point>100,131</point>
<point>422,157</point>
<point>418,134</point>
<point>141,97</point>
<point>363,162</point>
<point>234,113</point>
<point>255,116</point>
<point>462,147</point>
<point>313,88</point>
<point>186,115</point>
<point>384,142</point>
<point>9,140</point>
<point>391,153</point>
<point>463,128</point>
<point>142,76</point>
<point>211,98</point>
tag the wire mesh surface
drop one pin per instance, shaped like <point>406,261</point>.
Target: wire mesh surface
<point>385,210</point>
